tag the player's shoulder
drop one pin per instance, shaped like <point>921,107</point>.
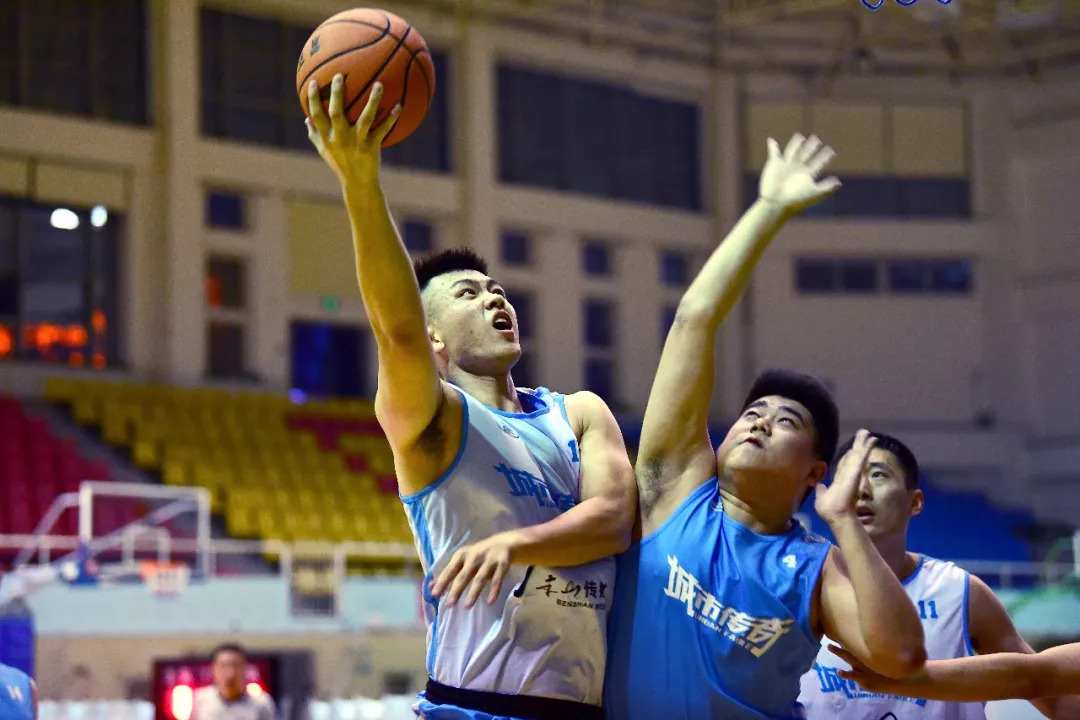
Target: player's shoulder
<point>582,402</point>
<point>931,569</point>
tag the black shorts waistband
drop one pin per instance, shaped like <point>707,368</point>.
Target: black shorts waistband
<point>525,707</point>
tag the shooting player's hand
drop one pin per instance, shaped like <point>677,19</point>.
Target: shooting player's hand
<point>474,567</point>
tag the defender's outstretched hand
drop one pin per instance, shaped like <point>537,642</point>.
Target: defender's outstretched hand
<point>790,178</point>
<point>839,498</point>
<point>352,152</point>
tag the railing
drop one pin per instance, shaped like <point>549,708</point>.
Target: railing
<point>138,543</point>
<point>141,542</point>
<point>1007,575</point>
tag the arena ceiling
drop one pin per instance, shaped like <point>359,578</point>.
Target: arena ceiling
<point>959,38</point>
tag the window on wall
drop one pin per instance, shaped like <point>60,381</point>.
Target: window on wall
<point>905,160</point>
<point>600,377</point>
<point>599,321</point>
<point>596,139</point>
<point>60,284</point>
<point>667,319</point>
<point>225,283</point>
<point>515,248</point>
<point>947,277</point>
<point>674,268</point>
<point>225,350</point>
<point>906,276</point>
<point>417,236</point>
<point>895,198</point>
<point>78,58</point>
<point>522,301</point>
<point>249,90</point>
<point>330,360</point>
<point>225,210</point>
<point>596,258</point>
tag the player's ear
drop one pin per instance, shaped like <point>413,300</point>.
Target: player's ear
<point>917,499</point>
<point>817,473</point>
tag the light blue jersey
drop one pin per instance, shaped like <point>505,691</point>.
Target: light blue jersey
<point>545,635</point>
<point>940,592</point>
<point>712,620</point>
<point>16,694</point>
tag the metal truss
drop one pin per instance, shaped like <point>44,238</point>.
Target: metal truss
<point>958,38</point>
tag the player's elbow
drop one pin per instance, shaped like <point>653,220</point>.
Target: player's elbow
<point>912,660</point>
<point>692,312</point>
<point>902,661</point>
<point>620,528</point>
<point>617,521</point>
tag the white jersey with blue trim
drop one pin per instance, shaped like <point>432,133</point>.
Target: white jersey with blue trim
<point>545,634</point>
<point>939,590</point>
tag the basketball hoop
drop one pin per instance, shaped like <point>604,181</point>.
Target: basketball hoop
<point>165,579</point>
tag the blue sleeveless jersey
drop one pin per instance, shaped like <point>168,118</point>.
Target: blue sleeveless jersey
<point>16,696</point>
<point>545,635</point>
<point>712,620</point>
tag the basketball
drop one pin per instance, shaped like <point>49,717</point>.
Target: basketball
<point>365,45</point>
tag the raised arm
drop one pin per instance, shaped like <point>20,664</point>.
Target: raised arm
<point>862,604</point>
<point>410,392</point>
<point>597,527</point>
<point>1000,676</point>
<point>675,452</point>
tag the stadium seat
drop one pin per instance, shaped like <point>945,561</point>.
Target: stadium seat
<point>274,469</point>
<point>36,467</point>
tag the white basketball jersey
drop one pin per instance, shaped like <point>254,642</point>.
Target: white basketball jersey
<point>940,592</point>
<point>545,635</point>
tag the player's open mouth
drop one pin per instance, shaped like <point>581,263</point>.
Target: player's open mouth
<point>756,442</point>
<point>864,515</point>
<point>502,322</point>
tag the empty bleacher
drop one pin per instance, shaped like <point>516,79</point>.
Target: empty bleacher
<point>275,469</point>
<point>36,467</point>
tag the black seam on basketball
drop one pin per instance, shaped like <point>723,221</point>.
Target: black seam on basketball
<point>365,23</point>
<point>339,53</point>
<point>423,74</point>
<point>375,75</point>
<point>404,89</point>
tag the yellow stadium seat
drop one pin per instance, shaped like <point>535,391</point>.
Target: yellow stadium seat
<point>116,430</point>
<point>146,454</point>
<point>59,390</point>
<point>176,473</point>
<point>87,410</point>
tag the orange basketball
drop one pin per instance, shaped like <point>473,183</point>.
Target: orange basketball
<point>366,45</point>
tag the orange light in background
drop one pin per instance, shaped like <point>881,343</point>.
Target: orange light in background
<point>7,342</point>
<point>75,336</point>
<point>45,336</point>
<point>213,291</point>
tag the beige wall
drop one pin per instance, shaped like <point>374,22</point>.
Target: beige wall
<point>345,665</point>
